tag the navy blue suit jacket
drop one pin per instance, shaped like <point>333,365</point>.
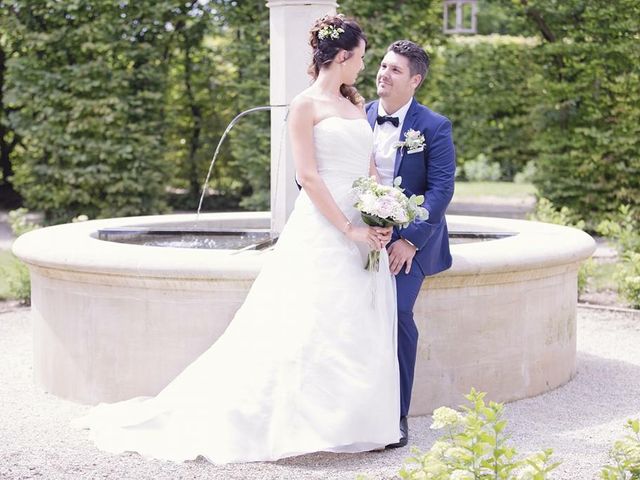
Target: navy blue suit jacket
<point>430,173</point>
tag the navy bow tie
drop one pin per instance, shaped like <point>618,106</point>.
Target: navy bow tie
<point>395,121</point>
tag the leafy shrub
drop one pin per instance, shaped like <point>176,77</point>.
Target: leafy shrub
<point>584,272</point>
<point>623,229</point>
<point>628,278</point>
<point>20,223</point>
<point>19,282</point>
<point>625,456</point>
<point>527,174</point>
<point>18,274</point>
<point>474,447</point>
<point>547,212</point>
<point>481,169</point>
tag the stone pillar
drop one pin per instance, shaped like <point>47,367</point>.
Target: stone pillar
<point>290,21</point>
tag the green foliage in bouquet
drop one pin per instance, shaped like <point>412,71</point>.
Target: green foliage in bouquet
<point>475,447</point>
<point>625,456</point>
<point>385,206</point>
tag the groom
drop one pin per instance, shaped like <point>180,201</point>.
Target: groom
<point>426,164</point>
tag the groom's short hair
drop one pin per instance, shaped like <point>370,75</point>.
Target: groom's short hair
<point>418,58</point>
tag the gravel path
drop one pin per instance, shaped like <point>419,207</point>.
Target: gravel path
<point>579,421</point>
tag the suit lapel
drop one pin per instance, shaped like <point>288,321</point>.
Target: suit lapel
<point>408,123</point>
<point>372,114</point>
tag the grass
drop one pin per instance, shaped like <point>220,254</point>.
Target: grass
<point>495,189</point>
<point>8,265</point>
<point>602,276</point>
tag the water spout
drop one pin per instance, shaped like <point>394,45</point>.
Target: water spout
<point>224,135</point>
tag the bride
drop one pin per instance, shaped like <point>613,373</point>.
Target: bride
<point>309,361</point>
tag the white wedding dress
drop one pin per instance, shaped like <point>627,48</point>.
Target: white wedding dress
<point>309,361</point>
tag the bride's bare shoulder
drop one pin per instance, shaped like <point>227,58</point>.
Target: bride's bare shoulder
<point>303,104</point>
<point>307,96</point>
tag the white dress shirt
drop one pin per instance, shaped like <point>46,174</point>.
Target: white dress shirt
<point>384,138</point>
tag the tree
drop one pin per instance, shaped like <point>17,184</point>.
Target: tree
<point>197,105</point>
<point>9,139</point>
<point>247,26</point>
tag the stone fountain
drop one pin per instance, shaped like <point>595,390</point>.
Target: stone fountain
<point>115,320</point>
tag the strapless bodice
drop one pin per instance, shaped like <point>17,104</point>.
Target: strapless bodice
<point>343,148</point>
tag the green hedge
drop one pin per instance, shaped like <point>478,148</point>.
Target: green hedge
<point>588,123</point>
<point>89,83</point>
<point>482,83</point>
<point>567,97</point>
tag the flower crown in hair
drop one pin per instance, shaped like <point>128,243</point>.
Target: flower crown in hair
<point>330,31</point>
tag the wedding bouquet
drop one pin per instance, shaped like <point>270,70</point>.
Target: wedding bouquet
<point>385,206</point>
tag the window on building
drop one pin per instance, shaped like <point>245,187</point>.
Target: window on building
<point>460,16</point>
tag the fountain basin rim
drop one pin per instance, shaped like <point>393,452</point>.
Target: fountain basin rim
<point>235,239</point>
<point>132,230</point>
<point>73,247</point>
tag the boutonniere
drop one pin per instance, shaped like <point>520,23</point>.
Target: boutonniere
<point>413,141</point>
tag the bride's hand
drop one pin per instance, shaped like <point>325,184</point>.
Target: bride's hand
<point>385,234</point>
<point>376,240</point>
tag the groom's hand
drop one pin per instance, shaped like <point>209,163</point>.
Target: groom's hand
<point>401,254</point>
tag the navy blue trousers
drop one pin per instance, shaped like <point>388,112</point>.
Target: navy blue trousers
<point>408,287</point>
